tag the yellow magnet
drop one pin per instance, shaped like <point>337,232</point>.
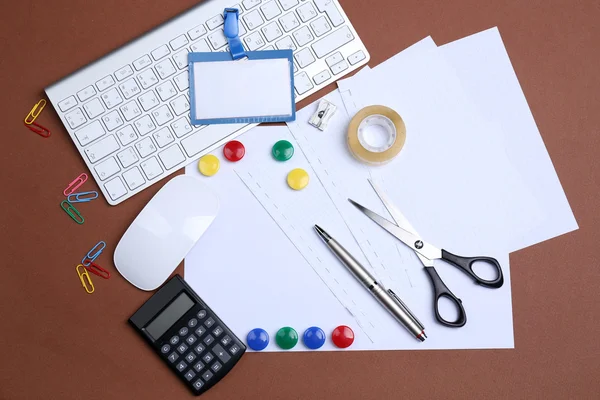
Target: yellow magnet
<point>297,179</point>
<point>209,165</point>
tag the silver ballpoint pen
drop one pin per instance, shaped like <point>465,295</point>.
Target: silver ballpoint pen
<point>387,298</point>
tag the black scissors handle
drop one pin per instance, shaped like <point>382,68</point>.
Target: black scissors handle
<point>465,264</point>
<point>441,290</point>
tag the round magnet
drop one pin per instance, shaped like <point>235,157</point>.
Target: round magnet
<point>314,337</point>
<point>234,151</point>
<point>342,336</point>
<point>297,179</point>
<point>208,165</point>
<point>282,150</point>
<point>286,338</point>
<point>257,339</point>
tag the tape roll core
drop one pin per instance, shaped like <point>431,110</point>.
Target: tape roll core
<point>376,135</point>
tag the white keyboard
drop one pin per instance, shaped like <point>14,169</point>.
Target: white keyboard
<point>128,112</point>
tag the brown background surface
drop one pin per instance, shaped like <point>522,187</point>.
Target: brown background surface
<point>58,342</point>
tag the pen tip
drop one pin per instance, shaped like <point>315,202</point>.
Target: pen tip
<point>322,233</point>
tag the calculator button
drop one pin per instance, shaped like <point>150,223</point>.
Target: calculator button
<point>217,331</point>
<point>173,356</point>
<point>191,339</point>
<point>234,349</point>
<point>193,322</point>
<point>174,340</point>
<point>198,384</point>
<point>207,375</point>
<point>207,357</point>
<point>190,375</point>
<point>199,349</point>
<point>208,340</point>
<point>216,366</point>
<point>183,331</point>
<point>200,331</point>
<point>201,314</point>
<point>209,322</point>
<point>181,366</point>
<point>221,353</point>
<point>165,349</point>
<point>226,340</point>
<point>190,357</point>
<point>182,348</point>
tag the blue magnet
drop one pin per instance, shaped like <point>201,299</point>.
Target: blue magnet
<point>314,337</point>
<point>257,339</point>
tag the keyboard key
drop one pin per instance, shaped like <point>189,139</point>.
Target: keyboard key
<point>174,340</point>
<point>182,81</point>
<point>196,32</point>
<point>160,52</point>
<point>216,367</point>
<point>198,366</point>
<point>191,339</point>
<point>134,178</point>
<point>217,331</point>
<point>208,357</point>
<point>339,67</point>
<point>248,4</point>
<point>165,68</point>
<point>67,103</point>
<point>332,41</point>
<point>182,347</point>
<point>165,349</point>
<point>208,340</point>
<point>131,110</point>
<point>126,135</point>
<point>181,127</point>
<point>320,26</point>
<point>105,83</point>
<point>101,149</point>
<point>334,59</point>
<point>272,31</point>
<point>145,147</point>
<point>142,62</point>
<point>286,43</point>
<point>289,22</point>
<point>234,349</point>
<point>209,322</point>
<point>306,12</point>
<point>217,39</point>
<point>304,57</point>
<point>303,36</point>
<point>112,120</point>
<point>130,88</point>
<point>192,322</point>
<point>287,4</point>
<point>253,19</point>
<point>112,98</point>
<point>173,356</point>
<point>254,41</point>
<point>199,348</point>
<point>148,100</point>
<point>321,77</point>
<point>166,90</point>
<point>93,108</point>
<point>200,331</point>
<point>356,57</point>
<point>181,366</point>
<point>329,7</point>
<point>162,115</point>
<point>151,168</point>
<point>127,157</point>
<point>89,133</point>
<point>302,83</point>
<point>86,93</point>
<point>215,22</point>
<point>178,42</point>
<point>201,314</point>
<point>181,59</point>
<point>171,156</point>
<point>198,384</point>
<point>183,331</point>
<point>107,168</point>
<point>163,137</point>
<point>201,47</point>
<point>190,357</point>
<point>147,78</point>
<point>270,10</point>
<point>207,376</point>
<point>124,72</point>
<point>180,105</point>
<point>144,125</point>
<point>225,340</point>
<point>116,190</point>
<point>75,118</point>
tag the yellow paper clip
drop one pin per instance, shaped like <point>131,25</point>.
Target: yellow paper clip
<point>88,286</point>
<point>35,111</point>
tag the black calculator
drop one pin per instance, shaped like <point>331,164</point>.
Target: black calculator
<point>188,335</point>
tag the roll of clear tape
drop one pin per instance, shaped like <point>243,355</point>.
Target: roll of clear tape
<point>376,135</point>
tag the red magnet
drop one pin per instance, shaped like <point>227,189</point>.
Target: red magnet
<point>342,336</point>
<point>234,151</point>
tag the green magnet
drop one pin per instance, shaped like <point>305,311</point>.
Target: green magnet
<point>282,150</point>
<point>286,338</point>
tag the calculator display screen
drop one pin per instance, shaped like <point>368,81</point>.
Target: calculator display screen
<point>169,316</point>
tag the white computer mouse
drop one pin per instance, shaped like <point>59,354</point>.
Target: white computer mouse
<point>165,231</point>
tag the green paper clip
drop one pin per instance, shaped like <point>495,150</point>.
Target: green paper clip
<point>69,209</point>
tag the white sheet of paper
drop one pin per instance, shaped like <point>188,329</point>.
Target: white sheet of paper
<point>486,73</point>
<point>249,88</point>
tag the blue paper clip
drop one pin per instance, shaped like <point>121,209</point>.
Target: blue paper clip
<point>93,253</point>
<point>231,30</point>
<point>82,197</point>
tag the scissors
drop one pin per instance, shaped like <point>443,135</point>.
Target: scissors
<point>427,253</point>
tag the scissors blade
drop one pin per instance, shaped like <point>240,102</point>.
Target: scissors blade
<point>411,240</point>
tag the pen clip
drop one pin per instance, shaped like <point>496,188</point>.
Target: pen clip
<point>405,308</point>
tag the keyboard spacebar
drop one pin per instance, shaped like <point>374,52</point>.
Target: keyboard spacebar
<point>206,137</point>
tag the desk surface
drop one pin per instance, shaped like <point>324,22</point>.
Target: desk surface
<point>57,341</point>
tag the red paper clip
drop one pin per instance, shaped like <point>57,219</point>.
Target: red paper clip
<point>39,129</point>
<point>98,270</point>
<point>73,186</point>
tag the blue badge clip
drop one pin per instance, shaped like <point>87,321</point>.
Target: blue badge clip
<point>231,30</point>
